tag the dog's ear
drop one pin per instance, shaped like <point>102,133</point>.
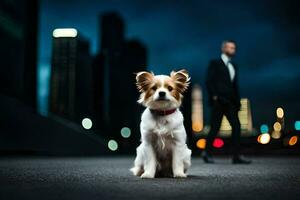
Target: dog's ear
<point>181,79</point>
<point>144,80</point>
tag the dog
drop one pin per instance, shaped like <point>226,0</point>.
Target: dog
<point>163,151</point>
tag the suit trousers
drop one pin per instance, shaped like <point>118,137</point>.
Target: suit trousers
<point>231,113</point>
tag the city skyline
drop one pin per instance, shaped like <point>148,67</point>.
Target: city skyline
<point>267,54</point>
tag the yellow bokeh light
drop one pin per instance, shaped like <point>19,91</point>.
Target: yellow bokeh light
<point>201,143</point>
<point>264,138</point>
<point>276,134</point>
<point>293,140</point>
<point>279,112</point>
<point>277,126</point>
<point>197,126</point>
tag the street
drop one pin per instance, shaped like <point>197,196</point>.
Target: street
<point>109,178</point>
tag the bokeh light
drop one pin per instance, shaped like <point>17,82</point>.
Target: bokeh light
<point>112,145</point>
<point>293,140</point>
<point>297,125</point>
<point>264,138</point>
<point>197,126</point>
<point>87,123</point>
<point>276,134</point>
<point>218,143</point>
<point>264,128</point>
<point>125,132</point>
<point>277,126</point>
<point>279,112</point>
<point>201,143</point>
<point>258,138</point>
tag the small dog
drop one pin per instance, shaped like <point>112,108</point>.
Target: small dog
<point>163,150</point>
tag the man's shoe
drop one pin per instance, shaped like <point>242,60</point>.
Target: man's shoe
<point>207,158</point>
<point>240,160</point>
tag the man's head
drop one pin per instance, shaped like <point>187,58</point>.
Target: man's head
<point>228,48</point>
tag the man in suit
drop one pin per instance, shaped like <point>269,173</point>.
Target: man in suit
<point>224,99</point>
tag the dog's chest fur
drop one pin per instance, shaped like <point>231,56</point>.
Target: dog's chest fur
<point>161,135</point>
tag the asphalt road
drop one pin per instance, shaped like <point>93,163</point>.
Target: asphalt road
<point>109,178</point>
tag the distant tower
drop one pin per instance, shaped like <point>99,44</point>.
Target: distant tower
<point>112,41</point>
<point>197,109</point>
<point>115,92</point>
<point>70,76</point>
<point>18,50</point>
<point>245,118</point>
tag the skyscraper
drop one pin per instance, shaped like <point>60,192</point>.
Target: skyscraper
<point>114,79</point>
<point>71,75</point>
<point>18,49</point>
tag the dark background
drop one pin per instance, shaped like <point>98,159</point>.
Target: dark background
<point>153,35</point>
<point>188,34</point>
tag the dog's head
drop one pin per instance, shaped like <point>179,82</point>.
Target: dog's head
<point>161,91</point>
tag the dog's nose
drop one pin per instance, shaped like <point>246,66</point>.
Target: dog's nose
<point>162,94</point>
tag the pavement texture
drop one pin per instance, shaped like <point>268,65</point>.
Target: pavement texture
<point>108,178</point>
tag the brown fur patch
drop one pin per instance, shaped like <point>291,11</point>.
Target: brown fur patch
<point>144,80</point>
<point>174,92</point>
<point>181,79</point>
<point>152,87</point>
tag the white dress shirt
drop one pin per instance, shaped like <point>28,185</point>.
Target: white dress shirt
<point>230,67</point>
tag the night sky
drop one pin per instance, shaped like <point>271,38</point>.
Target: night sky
<point>187,34</point>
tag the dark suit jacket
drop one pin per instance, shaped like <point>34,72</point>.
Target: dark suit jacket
<point>219,84</point>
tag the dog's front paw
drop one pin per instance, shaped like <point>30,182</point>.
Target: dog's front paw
<point>147,175</point>
<point>180,175</point>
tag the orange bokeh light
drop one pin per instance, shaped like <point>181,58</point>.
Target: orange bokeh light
<point>201,143</point>
<point>293,140</point>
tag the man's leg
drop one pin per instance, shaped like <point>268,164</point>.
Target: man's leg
<point>215,122</point>
<point>231,114</point>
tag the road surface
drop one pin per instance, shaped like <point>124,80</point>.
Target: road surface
<point>108,178</point>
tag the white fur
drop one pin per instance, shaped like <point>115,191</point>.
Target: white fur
<point>163,150</point>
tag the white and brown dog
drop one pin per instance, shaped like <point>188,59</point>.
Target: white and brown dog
<point>163,150</point>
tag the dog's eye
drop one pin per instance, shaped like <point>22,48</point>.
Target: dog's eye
<point>154,87</point>
<point>170,88</point>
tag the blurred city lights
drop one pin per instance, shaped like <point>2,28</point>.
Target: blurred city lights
<point>293,140</point>
<point>112,145</point>
<point>276,134</point>
<point>277,126</point>
<point>201,143</point>
<point>64,32</point>
<point>297,125</point>
<point>264,138</point>
<point>218,143</point>
<point>258,138</point>
<point>245,118</point>
<point>125,132</point>
<point>264,128</point>
<point>197,126</point>
<point>87,123</point>
<point>279,112</point>
<point>197,109</point>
